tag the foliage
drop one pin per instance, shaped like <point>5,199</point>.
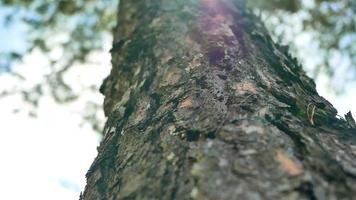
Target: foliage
<point>330,26</point>
<point>66,33</point>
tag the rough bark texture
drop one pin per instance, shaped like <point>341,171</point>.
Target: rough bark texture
<point>203,105</point>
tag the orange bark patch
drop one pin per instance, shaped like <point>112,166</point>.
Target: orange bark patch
<point>245,87</point>
<point>288,165</point>
<point>188,102</point>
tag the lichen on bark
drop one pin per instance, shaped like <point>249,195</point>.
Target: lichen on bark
<point>202,104</point>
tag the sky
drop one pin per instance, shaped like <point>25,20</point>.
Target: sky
<point>44,157</point>
<point>47,156</point>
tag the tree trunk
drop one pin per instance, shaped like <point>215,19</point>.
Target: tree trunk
<point>203,105</point>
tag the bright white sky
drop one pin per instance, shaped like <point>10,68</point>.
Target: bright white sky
<point>44,157</point>
<point>47,157</point>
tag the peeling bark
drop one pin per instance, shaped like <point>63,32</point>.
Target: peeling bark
<point>202,104</point>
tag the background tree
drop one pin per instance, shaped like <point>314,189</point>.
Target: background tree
<point>202,104</point>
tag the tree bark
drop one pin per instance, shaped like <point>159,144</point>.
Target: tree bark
<point>202,104</point>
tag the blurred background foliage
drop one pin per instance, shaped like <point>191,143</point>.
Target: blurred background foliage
<point>66,33</point>
<point>321,34</point>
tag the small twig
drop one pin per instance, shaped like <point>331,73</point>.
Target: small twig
<point>311,115</point>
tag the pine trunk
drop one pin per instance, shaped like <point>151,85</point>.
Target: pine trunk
<point>202,104</point>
